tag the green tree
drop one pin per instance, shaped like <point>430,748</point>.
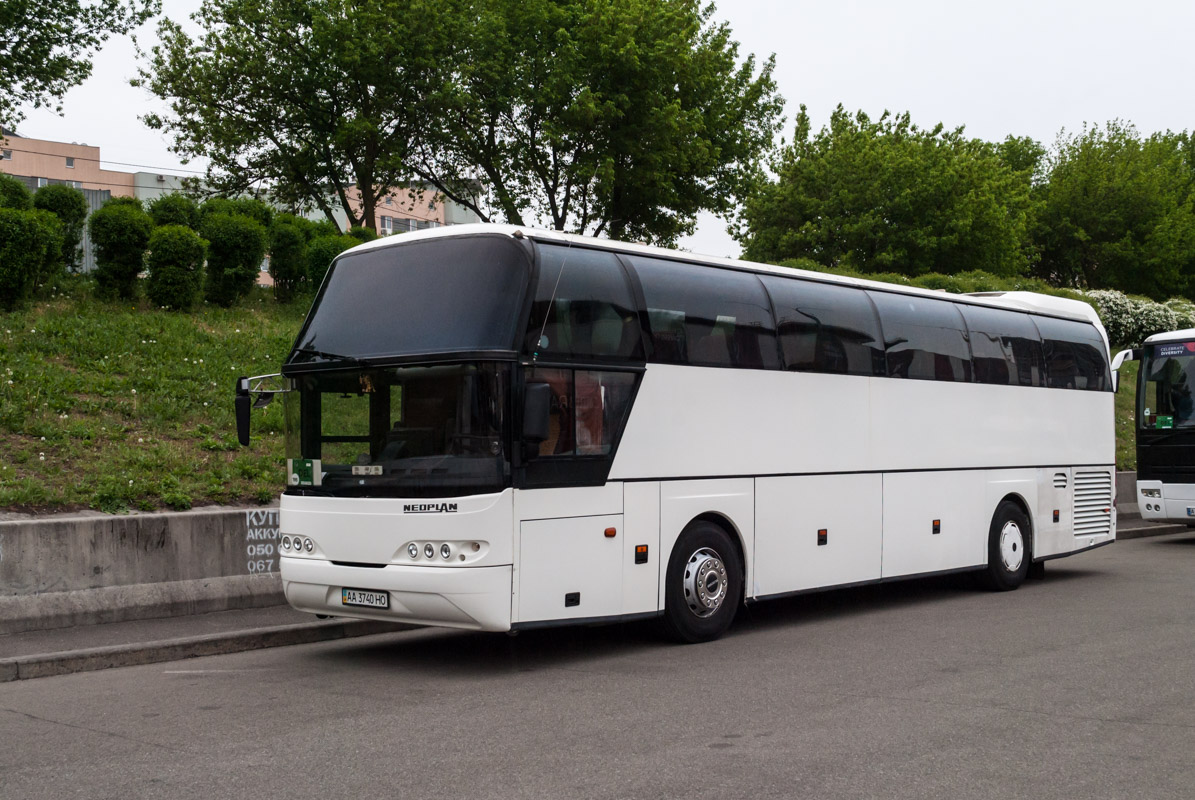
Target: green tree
<point>120,232</point>
<point>13,194</point>
<point>70,206</point>
<point>1117,212</point>
<point>616,118</point>
<point>22,253</point>
<point>315,96</point>
<point>174,209</point>
<point>46,48</point>
<point>288,257</point>
<point>887,196</point>
<point>175,265</point>
<point>236,248</point>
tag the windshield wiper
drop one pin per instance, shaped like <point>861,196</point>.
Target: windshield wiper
<point>328,356</point>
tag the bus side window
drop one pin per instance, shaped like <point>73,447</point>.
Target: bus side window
<point>1005,346</point>
<point>583,307</point>
<point>588,408</point>
<point>826,328</point>
<point>707,317</point>
<point>925,339</point>
<point>1074,355</point>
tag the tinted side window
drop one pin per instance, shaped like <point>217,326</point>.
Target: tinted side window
<point>583,307</point>
<point>1074,355</point>
<point>924,338</point>
<point>826,328</point>
<point>1005,346</point>
<point>707,317</point>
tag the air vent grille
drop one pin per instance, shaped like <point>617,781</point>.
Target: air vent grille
<point>1059,480</point>
<point>1093,503</point>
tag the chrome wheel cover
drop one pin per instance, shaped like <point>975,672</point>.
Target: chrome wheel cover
<point>705,583</point>
<point>1012,546</point>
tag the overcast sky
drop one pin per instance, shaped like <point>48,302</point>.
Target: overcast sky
<point>1023,67</point>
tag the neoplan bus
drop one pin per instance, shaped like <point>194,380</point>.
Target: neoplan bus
<point>497,429</point>
<point>1166,426</point>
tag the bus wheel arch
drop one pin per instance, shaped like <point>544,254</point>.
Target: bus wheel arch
<point>703,584</point>
<point>1010,545</point>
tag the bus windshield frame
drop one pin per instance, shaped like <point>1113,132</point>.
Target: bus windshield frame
<point>1166,387</point>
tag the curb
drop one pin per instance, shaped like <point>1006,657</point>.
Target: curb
<point>127,655</point>
<point>1151,529</point>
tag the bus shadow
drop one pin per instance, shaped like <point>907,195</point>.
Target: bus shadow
<point>470,654</point>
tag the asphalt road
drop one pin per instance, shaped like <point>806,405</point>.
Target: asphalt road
<point>1081,685</point>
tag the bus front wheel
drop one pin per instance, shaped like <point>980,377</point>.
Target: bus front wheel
<point>703,585</point>
<point>1009,548</point>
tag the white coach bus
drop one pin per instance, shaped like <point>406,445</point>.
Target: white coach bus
<point>497,429</point>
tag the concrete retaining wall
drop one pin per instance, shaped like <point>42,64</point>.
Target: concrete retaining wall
<point>63,570</point>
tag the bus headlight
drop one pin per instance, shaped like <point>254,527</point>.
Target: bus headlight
<point>413,550</point>
<point>445,551</point>
<point>1152,492</point>
<point>308,545</point>
<point>285,542</point>
<point>429,550</point>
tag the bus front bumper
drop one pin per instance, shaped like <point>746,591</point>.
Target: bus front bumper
<point>1160,502</point>
<point>474,598</point>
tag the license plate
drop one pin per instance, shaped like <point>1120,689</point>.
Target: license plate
<point>1190,511</point>
<point>361,597</point>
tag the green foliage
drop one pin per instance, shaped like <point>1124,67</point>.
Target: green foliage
<point>175,265</point>
<point>120,234</point>
<point>125,200</point>
<point>318,228</point>
<point>1184,312</point>
<point>887,196</point>
<point>22,253</point>
<point>236,247</point>
<point>321,252</point>
<point>70,206</point>
<point>288,257</point>
<point>51,233</point>
<point>362,235</point>
<point>620,118</point>
<point>13,194</point>
<point>47,48</point>
<point>174,209</point>
<point>249,207</point>
<point>1118,212</point>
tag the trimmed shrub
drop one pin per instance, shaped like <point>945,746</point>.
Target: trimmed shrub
<point>175,264</point>
<point>362,234</point>
<point>236,247</point>
<point>120,233</point>
<point>174,209</point>
<point>50,231</point>
<point>22,251</point>
<point>1184,312</point>
<point>249,207</point>
<point>70,206</point>
<point>1151,318</point>
<point>123,200</point>
<point>322,227</point>
<point>13,194</point>
<point>320,253</point>
<point>288,257</point>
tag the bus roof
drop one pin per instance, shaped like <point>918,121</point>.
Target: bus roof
<point>1021,301</point>
<point>1185,335</point>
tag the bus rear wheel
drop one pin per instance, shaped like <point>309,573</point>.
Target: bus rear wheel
<point>703,585</point>
<point>1009,548</point>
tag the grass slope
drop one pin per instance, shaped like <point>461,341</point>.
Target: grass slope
<point>117,405</point>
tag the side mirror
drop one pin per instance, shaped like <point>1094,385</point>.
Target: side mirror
<point>1117,363</point>
<point>243,404</point>
<point>537,404</point>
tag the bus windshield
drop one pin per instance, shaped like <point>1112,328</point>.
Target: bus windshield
<point>1168,379</point>
<point>425,431</point>
<point>428,297</point>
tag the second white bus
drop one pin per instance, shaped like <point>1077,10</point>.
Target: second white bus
<point>496,429</point>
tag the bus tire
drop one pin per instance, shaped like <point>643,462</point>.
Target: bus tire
<point>703,585</point>
<point>1010,544</point>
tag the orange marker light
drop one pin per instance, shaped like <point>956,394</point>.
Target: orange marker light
<point>611,533</point>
